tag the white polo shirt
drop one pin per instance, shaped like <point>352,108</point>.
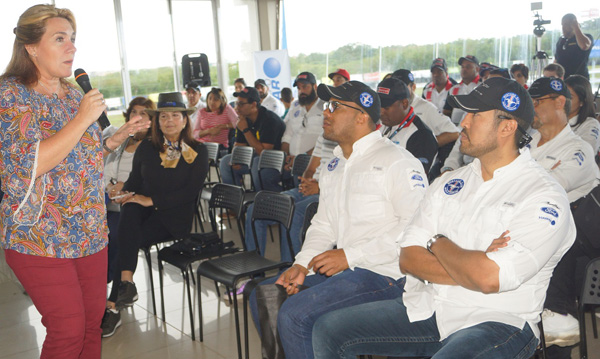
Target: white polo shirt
<point>365,201</point>
<point>588,130</point>
<point>577,171</point>
<point>302,128</point>
<point>522,198</point>
<point>273,104</point>
<point>433,118</point>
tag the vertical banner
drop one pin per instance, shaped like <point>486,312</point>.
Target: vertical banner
<point>274,67</point>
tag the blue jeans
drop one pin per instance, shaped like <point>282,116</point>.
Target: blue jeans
<point>383,328</point>
<point>299,312</point>
<point>300,204</point>
<point>231,176</point>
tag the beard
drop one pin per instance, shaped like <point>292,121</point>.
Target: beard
<point>477,151</point>
<point>262,95</point>
<point>304,99</point>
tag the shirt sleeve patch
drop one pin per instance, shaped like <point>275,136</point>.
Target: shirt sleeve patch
<point>549,212</point>
<point>579,157</point>
<point>416,179</point>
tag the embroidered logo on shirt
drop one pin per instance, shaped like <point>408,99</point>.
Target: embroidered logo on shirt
<point>333,164</point>
<point>595,133</point>
<point>550,211</point>
<point>549,214</point>
<point>454,186</point>
<point>416,179</point>
<point>511,101</point>
<point>366,99</point>
<point>579,157</point>
<point>296,113</point>
<point>556,85</point>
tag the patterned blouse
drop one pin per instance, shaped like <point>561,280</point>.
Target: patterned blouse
<point>61,213</point>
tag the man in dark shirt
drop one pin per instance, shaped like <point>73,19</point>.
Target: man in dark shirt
<point>573,48</point>
<point>257,127</point>
<point>401,125</point>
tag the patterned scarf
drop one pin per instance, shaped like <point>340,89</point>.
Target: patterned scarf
<point>170,157</point>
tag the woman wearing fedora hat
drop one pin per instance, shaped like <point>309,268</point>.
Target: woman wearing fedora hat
<point>168,172</point>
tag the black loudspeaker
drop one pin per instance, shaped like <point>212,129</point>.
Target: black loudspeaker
<point>195,69</point>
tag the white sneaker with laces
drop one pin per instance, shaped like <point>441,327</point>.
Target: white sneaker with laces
<point>560,329</point>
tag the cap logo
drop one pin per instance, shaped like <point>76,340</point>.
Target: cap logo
<point>302,76</point>
<point>556,85</point>
<point>511,101</point>
<point>366,99</point>
<point>411,77</point>
<point>383,90</point>
<point>245,90</point>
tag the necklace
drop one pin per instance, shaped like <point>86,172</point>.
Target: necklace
<point>54,94</point>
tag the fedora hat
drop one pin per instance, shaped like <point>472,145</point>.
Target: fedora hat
<point>171,102</point>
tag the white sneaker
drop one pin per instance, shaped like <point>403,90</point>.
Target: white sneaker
<point>560,329</point>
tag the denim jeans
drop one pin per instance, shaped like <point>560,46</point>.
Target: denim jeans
<point>383,328</point>
<point>231,176</point>
<point>300,204</point>
<point>299,312</point>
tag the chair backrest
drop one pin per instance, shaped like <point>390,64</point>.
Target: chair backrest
<point>301,162</point>
<point>273,206</point>
<point>590,294</point>
<point>213,151</point>
<point>273,159</point>
<point>226,196</point>
<point>242,155</point>
<point>311,210</point>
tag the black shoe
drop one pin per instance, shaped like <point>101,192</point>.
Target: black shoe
<point>110,322</point>
<point>127,295</point>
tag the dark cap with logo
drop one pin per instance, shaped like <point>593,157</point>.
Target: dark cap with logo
<point>549,86</point>
<point>496,93</point>
<point>469,58</point>
<point>306,77</point>
<point>404,75</point>
<point>249,93</point>
<point>193,85</point>
<point>353,91</point>
<point>439,63</point>
<point>260,82</point>
<point>391,90</point>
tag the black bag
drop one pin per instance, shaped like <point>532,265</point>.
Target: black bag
<point>269,299</point>
<point>586,213</point>
<point>201,243</point>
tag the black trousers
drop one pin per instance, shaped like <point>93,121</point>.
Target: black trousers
<point>138,227</point>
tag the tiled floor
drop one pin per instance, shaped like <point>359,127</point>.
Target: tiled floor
<point>142,335</point>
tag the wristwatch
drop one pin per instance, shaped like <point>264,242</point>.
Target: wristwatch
<point>108,149</point>
<point>245,130</point>
<point>433,240</point>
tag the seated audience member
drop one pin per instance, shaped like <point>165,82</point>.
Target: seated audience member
<point>520,73</point>
<point>469,73</point>
<point>456,159</point>
<point>499,72</point>
<point>582,116</point>
<point>573,48</point>
<point>239,84</point>
<point>304,123</point>
<point>570,160</point>
<point>266,99</point>
<point>215,120</point>
<point>306,193</point>
<point>193,92</point>
<point>436,91</point>
<point>369,192</point>
<point>401,125</point>
<point>554,70</point>
<point>339,77</point>
<point>167,174</point>
<point>287,97</point>
<point>478,253</point>
<point>257,127</point>
<point>117,167</point>
<point>485,69</point>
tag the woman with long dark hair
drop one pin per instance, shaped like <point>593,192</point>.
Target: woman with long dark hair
<point>582,115</point>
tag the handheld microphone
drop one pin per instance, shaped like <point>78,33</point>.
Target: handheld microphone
<point>83,80</point>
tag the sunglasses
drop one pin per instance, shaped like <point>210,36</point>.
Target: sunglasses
<point>332,105</point>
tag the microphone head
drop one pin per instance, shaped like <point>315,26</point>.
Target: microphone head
<point>83,80</point>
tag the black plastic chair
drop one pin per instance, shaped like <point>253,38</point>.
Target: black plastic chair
<point>590,296</point>
<point>242,155</point>
<point>213,158</point>
<point>229,270</point>
<point>311,210</point>
<point>270,159</point>
<point>224,196</point>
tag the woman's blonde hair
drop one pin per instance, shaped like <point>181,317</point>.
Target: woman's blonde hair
<point>30,29</point>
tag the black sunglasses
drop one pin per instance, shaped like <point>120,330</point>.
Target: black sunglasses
<point>332,105</point>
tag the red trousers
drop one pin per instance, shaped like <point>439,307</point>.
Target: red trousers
<point>70,294</point>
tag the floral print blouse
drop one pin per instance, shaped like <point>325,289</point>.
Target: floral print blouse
<point>61,213</point>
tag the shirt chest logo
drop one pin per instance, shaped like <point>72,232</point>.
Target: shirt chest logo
<point>453,186</point>
<point>333,164</point>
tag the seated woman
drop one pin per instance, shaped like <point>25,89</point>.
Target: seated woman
<point>215,121</point>
<point>168,172</point>
<point>117,166</point>
<point>582,115</point>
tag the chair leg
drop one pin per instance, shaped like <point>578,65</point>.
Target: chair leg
<point>216,288</point>
<point>246,340</point>
<point>237,324</point>
<point>199,216</point>
<point>189,268</point>
<point>149,262</point>
<point>594,325</point>
<point>186,277</point>
<point>271,232</point>
<point>582,335</point>
<point>162,296</point>
<point>199,286</point>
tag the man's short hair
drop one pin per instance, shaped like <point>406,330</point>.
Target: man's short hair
<point>500,116</point>
<point>554,67</point>
<point>240,80</point>
<point>286,94</point>
<point>520,67</point>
